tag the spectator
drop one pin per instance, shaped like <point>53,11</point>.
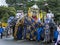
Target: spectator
<point>1,31</point>
<point>47,33</point>
<point>50,16</point>
<point>39,32</point>
<point>58,29</point>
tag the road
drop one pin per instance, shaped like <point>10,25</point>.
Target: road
<point>10,41</point>
<point>20,42</point>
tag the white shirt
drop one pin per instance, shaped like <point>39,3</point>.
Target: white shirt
<point>58,29</point>
<point>50,15</point>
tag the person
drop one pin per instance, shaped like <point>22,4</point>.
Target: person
<point>39,32</point>
<point>53,31</point>
<point>6,30</point>
<point>51,34</point>
<point>25,27</point>
<point>20,30</point>
<point>33,32</point>
<point>28,32</point>
<point>58,29</point>
<point>1,31</point>
<point>50,16</point>
<point>56,36</point>
<point>47,33</point>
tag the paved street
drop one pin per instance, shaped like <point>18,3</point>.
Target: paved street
<point>20,42</point>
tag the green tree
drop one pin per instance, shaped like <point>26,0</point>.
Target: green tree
<point>10,2</point>
<point>54,5</point>
<point>6,12</point>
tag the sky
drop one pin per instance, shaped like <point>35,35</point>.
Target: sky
<point>2,2</point>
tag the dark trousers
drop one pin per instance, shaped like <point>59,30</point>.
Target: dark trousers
<point>55,40</point>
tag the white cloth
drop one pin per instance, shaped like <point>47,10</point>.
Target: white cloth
<point>58,29</point>
<point>50,15</point>
<point>0,34</point>
<point>55,43</point>
<point>19,15</point>
<point>38,20</point>
<point>58,38</point>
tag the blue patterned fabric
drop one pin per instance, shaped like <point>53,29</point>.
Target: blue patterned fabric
<point>39,32</point>
<point>55,34</point>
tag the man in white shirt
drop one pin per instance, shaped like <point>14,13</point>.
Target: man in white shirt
<point>50,16</point>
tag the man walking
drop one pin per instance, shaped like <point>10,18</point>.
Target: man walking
<point>1,31</point>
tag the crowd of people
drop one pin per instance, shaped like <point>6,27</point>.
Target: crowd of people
<point>28,28</point>
<point>33,30</point>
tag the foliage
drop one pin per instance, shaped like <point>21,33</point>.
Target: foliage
<point>53,5</point>
<point>6,12</point>
<point>10,1</point>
